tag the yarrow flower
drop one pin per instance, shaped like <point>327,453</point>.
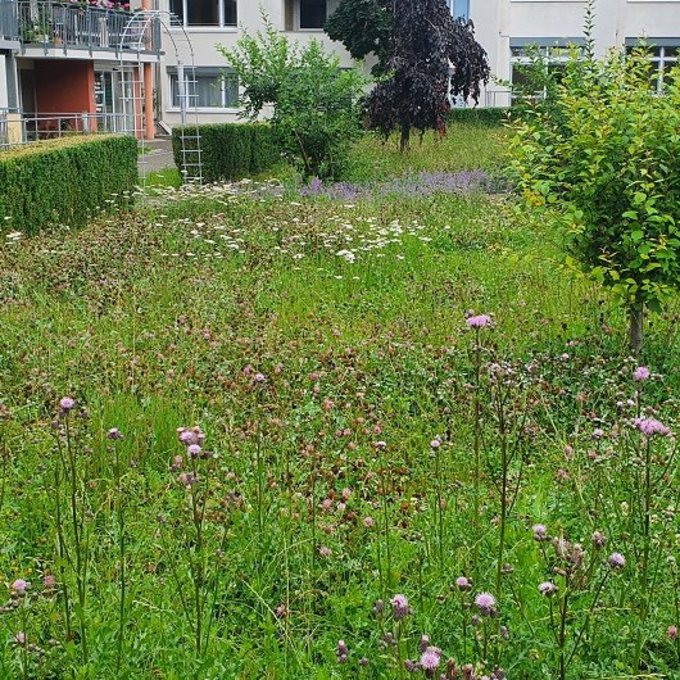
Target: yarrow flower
<point>617,561</point>
<point>651,426</point>
<point>486,603</point>
<point>547,588</point>
<point>641,374</point>
<point>400,607</point>
<point>479,321</point>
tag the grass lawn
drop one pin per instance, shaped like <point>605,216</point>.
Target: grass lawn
<point>364,442</point>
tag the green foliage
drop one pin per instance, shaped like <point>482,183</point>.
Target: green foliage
<point>316,113</point>
<point>229,150</point>
<point>601,160</point>
<point>488,117</point>
<point>65,181</point>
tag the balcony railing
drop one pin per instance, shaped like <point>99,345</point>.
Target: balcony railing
<point>9,20</point>
<point>83,26</point>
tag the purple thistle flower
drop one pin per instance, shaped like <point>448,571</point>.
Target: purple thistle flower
<point>430,659</point>
<point>486,603</point>
<point>67,404</point>
<point>672,633</point>
<point>400,607</point>
<point>479,321</point>
<point>114,434</point>
<point>20,586</point>
<point>651,427</point>
<point>599,539</point>
<point>547,588</point>
<point>540,532</point>
<point>463,583</point>
<point>343,652</point>
<point>193,450</point>
<point>617,561</point>
<point>641,374</point>
<point>424,643</point>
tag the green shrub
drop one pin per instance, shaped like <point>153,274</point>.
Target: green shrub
<point>65,181</point>
<point>486,117</point>
<point>228,150</point>
<point>316,112</point>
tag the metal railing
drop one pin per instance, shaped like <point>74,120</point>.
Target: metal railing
<point>9,20</point>
<point>79,25</point>
<point>38,127</point>
<point>4,132</point>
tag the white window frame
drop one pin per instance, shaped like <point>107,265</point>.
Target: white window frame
<point>198,27</point>
<point>207,70</point>
<point>663,63</point>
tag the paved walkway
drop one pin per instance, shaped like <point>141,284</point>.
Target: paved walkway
<point>157,156</point>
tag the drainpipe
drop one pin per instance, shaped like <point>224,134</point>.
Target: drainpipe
<point>149,130</point>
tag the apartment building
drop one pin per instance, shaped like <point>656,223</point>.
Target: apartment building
<point>74,67</point>
<point>504,27</point>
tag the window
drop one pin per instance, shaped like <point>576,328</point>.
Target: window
<point>313,14</point>
<point>206,13</point>
<point>460,8</point>
<point>662,59</point>
<point>554,57</point>
<point>205,88</point>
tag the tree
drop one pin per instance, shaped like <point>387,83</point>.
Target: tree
<point>423,55</point>
<point>601,163</point>
<point>316,114</point>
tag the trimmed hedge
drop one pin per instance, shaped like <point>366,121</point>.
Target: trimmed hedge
<point>65,181</point>
<point>228,150</point>
<point>487,116</point>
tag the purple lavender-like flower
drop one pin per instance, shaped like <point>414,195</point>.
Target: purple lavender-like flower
<point>400,607</point>
<point>651,427</point>
<point>547,588</point>
<point>641,373</point>
<point>617,561</point>
<point>479,321</point>
<point>486,603</point>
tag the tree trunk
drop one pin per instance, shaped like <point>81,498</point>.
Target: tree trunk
<point>636,318</point>
<point>405,138</point>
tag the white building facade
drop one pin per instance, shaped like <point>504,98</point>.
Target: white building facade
<point>504,27</point>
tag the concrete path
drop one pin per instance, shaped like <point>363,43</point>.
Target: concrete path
<point>157,156</point>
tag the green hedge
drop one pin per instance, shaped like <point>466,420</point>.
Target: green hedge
<point>485,116</point>
<point>228,150</point>
<point>65,181</point>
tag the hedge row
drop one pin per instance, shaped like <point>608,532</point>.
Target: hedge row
<point>228,150</point>
<point>65,181</point>
<point>488,117</point>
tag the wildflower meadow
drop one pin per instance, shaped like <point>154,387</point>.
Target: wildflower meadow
<point>370,430</point>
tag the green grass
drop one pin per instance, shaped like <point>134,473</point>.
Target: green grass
<point>164,316</point>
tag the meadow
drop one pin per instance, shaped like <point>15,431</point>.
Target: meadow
<point>375,431</point>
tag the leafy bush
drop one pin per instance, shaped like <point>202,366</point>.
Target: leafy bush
<point>601,161</point>
<point>228,150</point>
<point>316,113</point>
<point>65,180</point>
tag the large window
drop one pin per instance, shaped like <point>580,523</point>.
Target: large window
<point>662,59</point>
<point>554,58</point>
<point>204,88</point>
<point>313,14</point>
<point>208,13</point>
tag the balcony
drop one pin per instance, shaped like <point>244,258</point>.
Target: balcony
<point>85,26</point>
<point>9,21</point>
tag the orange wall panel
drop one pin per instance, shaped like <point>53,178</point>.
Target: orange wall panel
<point>63,86</point>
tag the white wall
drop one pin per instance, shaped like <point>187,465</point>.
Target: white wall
<point>4,99</point>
